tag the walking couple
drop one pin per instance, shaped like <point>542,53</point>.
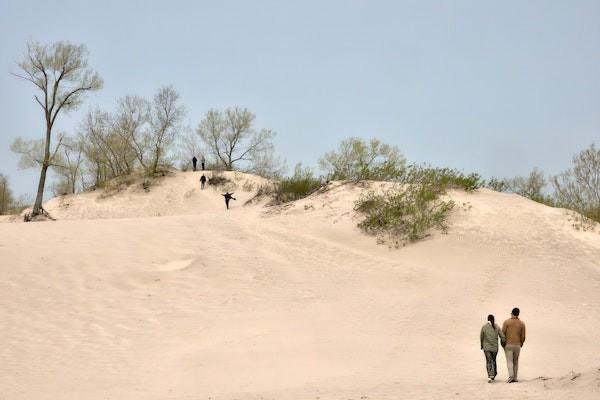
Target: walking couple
<point>512,337</point>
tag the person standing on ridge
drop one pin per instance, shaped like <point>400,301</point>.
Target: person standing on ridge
<point>514,331</point>
<point>194,162</point>
<point>202,182</point>
<point>228,196</point>
<point>488,339</point>
<point>203,162</point>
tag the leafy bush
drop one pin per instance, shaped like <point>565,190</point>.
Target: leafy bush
<point>409,210</point>
<point>441,179</point>
<point>358,160</point>
<point>405,213</point>
<point>296,187</point>
<point>499,185</point>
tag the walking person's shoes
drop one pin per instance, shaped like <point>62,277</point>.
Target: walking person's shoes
<point>510,380</point>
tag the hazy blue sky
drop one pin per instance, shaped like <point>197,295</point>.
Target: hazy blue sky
<point>493,87</point>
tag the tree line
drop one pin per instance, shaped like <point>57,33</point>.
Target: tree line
<point>138,135</point>
<point>146,136</point>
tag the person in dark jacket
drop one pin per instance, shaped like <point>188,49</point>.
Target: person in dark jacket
<point>194,162</point>
<point>202,181</point>
<point>488,340</point>
<point>228,196</point>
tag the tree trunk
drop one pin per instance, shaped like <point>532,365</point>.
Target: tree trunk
<point>40,192</point>
<point>42,183</point>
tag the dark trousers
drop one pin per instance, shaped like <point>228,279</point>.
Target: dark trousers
<point>194,164</point>
<point>490,363</point>
<point>202,166</point>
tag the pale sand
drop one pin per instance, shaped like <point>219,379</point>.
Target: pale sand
<point>290,302</point>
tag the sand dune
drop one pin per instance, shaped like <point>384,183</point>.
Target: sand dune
<point>164,294</point>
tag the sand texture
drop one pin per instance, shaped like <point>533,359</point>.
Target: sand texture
<point>163,294</point>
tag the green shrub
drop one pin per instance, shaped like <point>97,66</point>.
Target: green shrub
<point>499,185</point>
<point>405,213</point>
<point>441,179</point>
<point>296,187</point>
<point>357,160</point>
<point>409,210</point>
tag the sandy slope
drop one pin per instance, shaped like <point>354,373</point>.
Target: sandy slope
<point>290,302</point>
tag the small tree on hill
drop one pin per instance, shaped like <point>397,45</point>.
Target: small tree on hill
<point>60,71</point>
<point>232,138</point>
<point>165,117</point>
<point>578,188</point>
<point>358,160</point>
<point>71,160</point>
<point>6,196</point>
<point>129,125</point>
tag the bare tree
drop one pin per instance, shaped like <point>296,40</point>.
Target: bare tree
<point>71,160</point>
<point>165,118</point>
<point>60,71</point>
<point>6,196</point>
<point>232,139</point>
<point>578,188</point>
<point>100,157</point>
<point>189,146</point>
<point>130,124</point>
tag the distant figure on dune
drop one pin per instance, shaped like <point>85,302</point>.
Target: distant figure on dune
<point>194,162</point>
<point>514,330</point>
<point>202,181</point>
<point>488,339</point>
<point>228,196</point>
<point>202,162</point>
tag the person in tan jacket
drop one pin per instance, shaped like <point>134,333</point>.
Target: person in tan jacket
<point>514,331</point>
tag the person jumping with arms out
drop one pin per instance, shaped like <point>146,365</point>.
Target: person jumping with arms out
<point>488,339</point>
<point>228,196</point>
<point>514,330</point>
<point>202,182</point>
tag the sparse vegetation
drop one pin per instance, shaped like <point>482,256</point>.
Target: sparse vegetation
<point>531,186</point>
<point>409,210</point>
<point>578,188</point>
<point>497,184</point>
<point>404,213</point>
<point>6,196</point>
<point>440,179</point>
<point>297,186</point>
<point>218,179</point>
<point>357,160</point>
